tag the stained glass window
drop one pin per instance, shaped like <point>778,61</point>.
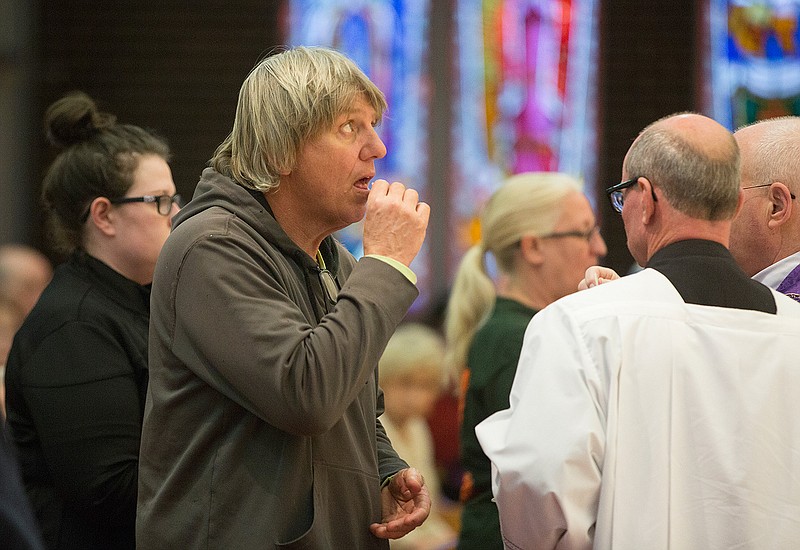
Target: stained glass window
<point>525,100</point>
<point>754,62</point>
<point>521,96</point>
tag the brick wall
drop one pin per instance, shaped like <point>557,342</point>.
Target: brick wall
<point>172,66</point>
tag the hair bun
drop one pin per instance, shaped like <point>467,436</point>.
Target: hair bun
<point>74,118</point>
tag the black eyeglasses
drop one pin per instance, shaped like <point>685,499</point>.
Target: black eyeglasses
<point>615,193</point>
<point>767,185</point>
<point>588,235</point>
<point>163,202</point>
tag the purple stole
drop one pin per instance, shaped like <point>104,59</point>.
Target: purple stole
<point>791,284</point>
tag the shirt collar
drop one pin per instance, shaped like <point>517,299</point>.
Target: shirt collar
<point>113,284</point>
<point>774,275</point>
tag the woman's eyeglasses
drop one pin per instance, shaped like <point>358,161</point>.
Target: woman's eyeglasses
<point>587,235</point>
<point>163,202</point>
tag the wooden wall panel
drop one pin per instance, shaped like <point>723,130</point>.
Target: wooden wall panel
<point>648,70</point>
<point>173,66</point>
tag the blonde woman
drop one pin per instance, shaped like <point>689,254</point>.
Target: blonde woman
<point>542,235</point>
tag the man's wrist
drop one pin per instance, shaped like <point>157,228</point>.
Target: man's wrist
<point>388,480</point>
<point>399,266</point>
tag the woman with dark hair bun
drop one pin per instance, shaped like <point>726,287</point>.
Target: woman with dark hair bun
<point>77,372</point>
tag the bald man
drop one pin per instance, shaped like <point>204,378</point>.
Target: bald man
<point>765,235</point>
<point>650,412</point>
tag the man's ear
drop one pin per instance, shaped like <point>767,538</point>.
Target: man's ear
<point>648,204</point>
<point>782,204</point>
<point>531,249</point>
<point>286,169</point>
<point>740,203</point>
<point>101,215</point>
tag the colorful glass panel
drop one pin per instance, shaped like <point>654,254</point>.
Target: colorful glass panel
<point>754,67</point>
<point>525,98</point>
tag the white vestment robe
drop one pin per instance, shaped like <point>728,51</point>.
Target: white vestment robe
<point>640,422</point>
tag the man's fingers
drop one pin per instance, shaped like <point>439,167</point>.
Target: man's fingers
<point>397,190</point>
<point>424,210</point>
<point>395,222</point>
<point>380,187</point>
<point>410,196</point>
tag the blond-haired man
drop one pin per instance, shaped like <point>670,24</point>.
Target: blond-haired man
<point>261,427</point>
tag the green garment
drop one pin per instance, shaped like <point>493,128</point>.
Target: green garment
<point>492,363</point>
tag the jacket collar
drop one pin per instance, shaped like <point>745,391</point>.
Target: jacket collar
<point>116,286</point>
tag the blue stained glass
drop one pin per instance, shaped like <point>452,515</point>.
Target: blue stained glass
<point>388,41</point>
<point>753,61</point>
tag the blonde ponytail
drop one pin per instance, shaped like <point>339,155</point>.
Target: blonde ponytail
<point>471,299</point>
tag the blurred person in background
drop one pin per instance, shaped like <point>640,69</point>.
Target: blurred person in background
<point>24,273</point>
<point>542,235</point>
<point>10,320</point>
<point>412,376</point>
<point>445,419</point>
<point>77,372</point>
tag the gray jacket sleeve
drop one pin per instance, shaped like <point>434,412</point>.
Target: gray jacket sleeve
<point>243,329</point>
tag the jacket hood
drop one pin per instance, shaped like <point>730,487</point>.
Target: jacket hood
<point>217,190</point>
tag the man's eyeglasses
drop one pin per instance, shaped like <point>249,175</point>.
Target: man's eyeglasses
<point>587,235</point>
<point>615,193</point>
<point>163,202</point>
<point>767,185</point>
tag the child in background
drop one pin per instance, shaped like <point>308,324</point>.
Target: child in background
<point>412,377</point>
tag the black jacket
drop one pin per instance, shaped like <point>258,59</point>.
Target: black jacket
<point>76,381</point>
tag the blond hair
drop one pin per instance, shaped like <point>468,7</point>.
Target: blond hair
<point>413,346</point>
<point>287,99</point>
<point>525,204</point>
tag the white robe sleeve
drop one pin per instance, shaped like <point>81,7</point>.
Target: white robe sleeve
<point>547,449</point>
